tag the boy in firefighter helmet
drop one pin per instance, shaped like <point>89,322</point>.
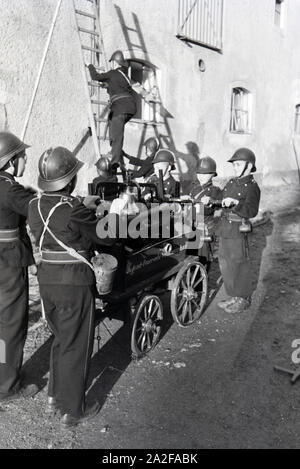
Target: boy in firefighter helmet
<point>163,161</point>
<point>15,257</point>
<point>121,92</point>
<point>105,175</point>
<point>146,169</point>
<point>209,195</point>
<point>65,231</point>
<point>240,201</point>
<point>122,103</point>
<point>204,190</point>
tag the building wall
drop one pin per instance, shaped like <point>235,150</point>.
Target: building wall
<point>59,112</point>
<point>256,54</point>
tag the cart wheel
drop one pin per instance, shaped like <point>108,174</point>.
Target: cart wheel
<point>189,293</point>
<point>146,328</point>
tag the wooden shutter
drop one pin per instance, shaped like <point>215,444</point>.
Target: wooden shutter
<point>201,22</point>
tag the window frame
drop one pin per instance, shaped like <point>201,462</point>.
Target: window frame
<point>238,111</point>
<point>147,108</point>
<point>297,120</point>
<point>279,14</point>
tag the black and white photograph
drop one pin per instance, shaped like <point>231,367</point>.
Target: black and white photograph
<point>149,227</point>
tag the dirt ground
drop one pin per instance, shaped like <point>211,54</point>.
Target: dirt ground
<point>211,385</point>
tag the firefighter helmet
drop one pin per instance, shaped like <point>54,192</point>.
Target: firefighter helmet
<point>103,164</point>
<point>10,146</point>
<point>57,167</point>
<point>152,143</point>
<point>118,57</point>
<point>207,165</point>
<point>244,154</point>
<point>164,156</point>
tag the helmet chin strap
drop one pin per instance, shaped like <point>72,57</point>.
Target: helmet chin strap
<point>13,167</point>
<point>244,170</point>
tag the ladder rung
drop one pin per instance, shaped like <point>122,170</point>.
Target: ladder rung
<point>131,29</point>
<point>88,31</point>
<point>96,84</point>
<point>96,101</point>
<point>146,122</point>
<point>84,13</point>
<point>102,69</point>
<point>100,119</point>
<point>93,49</point>
<point>137,46</point>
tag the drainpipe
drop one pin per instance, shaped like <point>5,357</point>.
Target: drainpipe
<point>38,79</point>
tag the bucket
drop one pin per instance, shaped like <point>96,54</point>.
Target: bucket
<point>105,267</point>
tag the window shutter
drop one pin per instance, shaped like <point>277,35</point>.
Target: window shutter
<point>201,22</point>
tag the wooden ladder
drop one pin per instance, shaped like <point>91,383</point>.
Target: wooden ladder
<point>92,51</point>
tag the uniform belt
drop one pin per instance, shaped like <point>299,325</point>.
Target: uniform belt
<point>9,235</point>
<point>233,217</point>
<point>116,97</point>
<point>61,257</point>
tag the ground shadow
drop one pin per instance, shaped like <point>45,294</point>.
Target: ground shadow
<point>37,366</point>
<point>114,357</point>
<point>258,390</point>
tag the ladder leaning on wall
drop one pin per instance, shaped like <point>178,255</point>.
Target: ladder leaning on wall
<point>92,51</point>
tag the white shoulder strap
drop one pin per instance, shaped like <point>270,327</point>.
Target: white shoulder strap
<point>126,77</point>
<point>11,181</point>
<point>71,251</point>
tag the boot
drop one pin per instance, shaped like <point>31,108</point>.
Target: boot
<point>91,411</point>
<point>51,407</point>
<point>240,304</point>
<point>30,390</point>
<point>224,303</point>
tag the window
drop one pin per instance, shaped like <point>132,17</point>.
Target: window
<point>146,75</point>
<point>297,119</point>
<point>2,351</point>
<point>278,17</point>
<point>241,109</point>
<point>201,22</point>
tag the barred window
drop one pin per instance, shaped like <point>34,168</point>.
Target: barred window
<point>279,10</point>
<point>297,119</point>
<point>241,111</point>
<point>146,75</point>
<point>201,22</point>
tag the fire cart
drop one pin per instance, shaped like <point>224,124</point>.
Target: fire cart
<point>147,266</point>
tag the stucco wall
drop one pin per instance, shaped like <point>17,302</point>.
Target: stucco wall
<point>59,113</point>
<point>256,55</point>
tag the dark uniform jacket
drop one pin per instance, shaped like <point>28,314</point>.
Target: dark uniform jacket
<point>14,200</point>
<point>74,225</point>
<point>245,190</point>
<point>169,185</point>
<point>146,166</point>
<point>118,85</point>
<point>208,190</point>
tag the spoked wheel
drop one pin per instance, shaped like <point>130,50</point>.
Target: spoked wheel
<point>189,293</point>
<point>146,328</point>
